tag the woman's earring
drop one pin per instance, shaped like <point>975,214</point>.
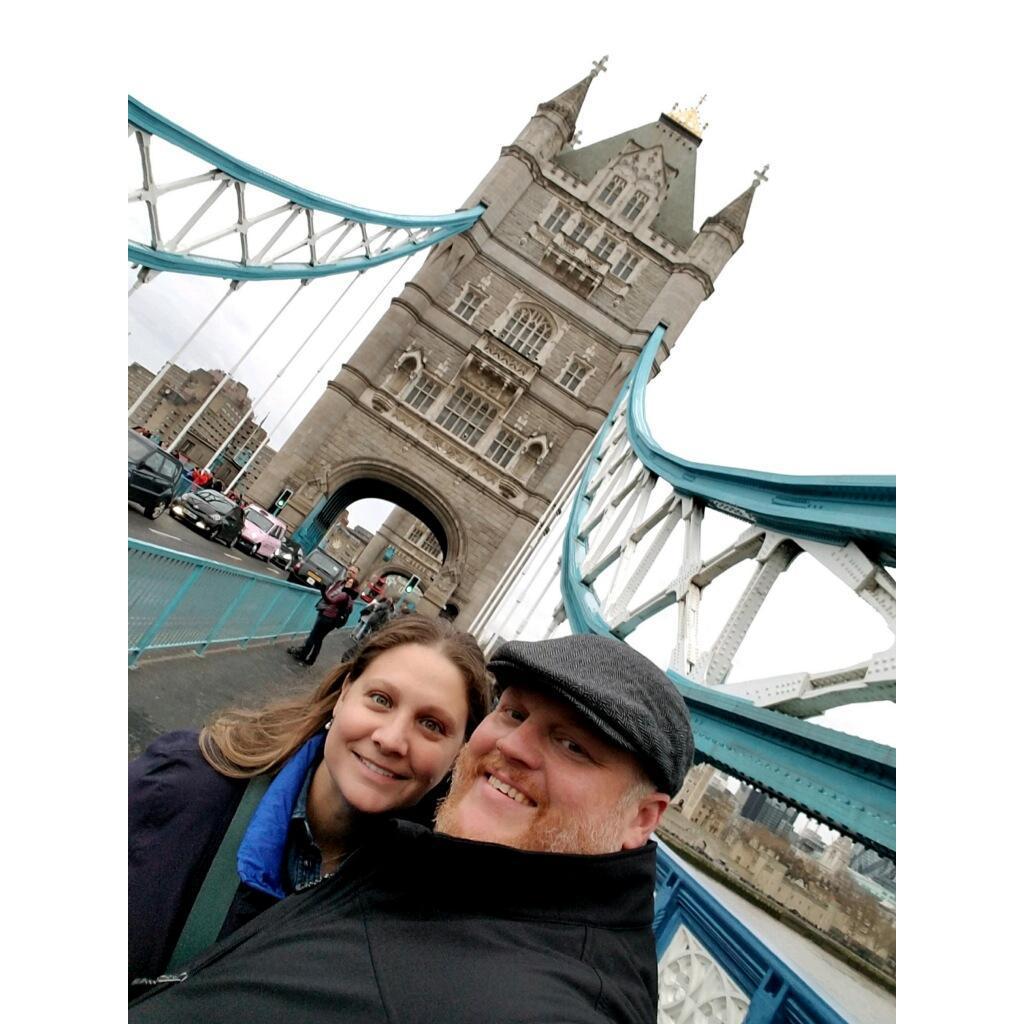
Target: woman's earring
<point>328,725</point>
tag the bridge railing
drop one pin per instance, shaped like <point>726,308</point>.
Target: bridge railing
<point>711,967</point>
<point>181,601</point>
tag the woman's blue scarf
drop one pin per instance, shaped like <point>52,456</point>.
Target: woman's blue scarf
<point>261,854</point>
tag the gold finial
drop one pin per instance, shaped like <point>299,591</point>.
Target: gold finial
<point>690,117</point>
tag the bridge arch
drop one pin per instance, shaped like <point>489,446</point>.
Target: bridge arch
<point>360,478</point>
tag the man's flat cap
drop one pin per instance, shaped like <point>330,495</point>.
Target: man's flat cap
<point>620,693</point>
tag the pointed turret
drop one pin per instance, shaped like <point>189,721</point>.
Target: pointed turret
<point>733,217</point>
<point>551,129</point>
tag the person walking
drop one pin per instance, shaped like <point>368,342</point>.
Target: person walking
<point>373,616</point>
<point>332,613</point>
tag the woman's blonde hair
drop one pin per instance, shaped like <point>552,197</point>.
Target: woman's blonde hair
<point>241,743</point>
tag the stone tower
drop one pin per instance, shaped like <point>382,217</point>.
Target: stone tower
<point>481,386</point>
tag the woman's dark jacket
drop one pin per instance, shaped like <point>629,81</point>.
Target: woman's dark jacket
<point>179,809</point>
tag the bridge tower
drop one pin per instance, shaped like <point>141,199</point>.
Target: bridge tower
<point>475,394</point>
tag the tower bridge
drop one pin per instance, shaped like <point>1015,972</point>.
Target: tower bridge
<point>500,401</point>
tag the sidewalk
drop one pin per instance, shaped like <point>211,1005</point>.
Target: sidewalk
<point>180,691</point>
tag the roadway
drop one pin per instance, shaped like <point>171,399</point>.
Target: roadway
<point>169,533</point>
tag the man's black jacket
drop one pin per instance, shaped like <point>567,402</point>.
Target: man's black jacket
<point>419,927</point>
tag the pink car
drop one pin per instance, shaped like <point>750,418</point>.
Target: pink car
<point>261,534</point>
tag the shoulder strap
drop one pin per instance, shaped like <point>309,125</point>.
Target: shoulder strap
<point>221,882</point>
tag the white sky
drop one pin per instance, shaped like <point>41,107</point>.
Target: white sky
<point>785,368</point>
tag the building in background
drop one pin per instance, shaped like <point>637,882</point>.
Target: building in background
<point>473,397</point>
<point>403,547</point>
<point>177,399</point>
<point>772,814</point>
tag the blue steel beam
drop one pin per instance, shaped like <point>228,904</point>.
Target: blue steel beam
<point>834,509</point>
<point>845,781</point>
<point>156,124</point>
<point>438,226</point>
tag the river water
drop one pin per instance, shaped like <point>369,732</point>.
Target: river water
<point>855,997</point>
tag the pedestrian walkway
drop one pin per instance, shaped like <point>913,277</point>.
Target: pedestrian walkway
<point>181,690</point>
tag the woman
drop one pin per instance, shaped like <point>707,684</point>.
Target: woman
<point>333,610</point>
<point>378,735</point>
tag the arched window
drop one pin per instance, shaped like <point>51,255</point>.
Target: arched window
<point>636,203</point>
<point>526,331</point>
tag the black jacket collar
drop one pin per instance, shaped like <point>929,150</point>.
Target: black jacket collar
<point>409,862</point>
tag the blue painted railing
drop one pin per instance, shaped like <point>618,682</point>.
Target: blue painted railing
<point>180,601</point>
<point>776,993</point>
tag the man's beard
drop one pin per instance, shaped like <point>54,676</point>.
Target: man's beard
<point>550,831</point>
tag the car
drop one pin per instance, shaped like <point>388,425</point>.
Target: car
<point>153,475</point>
<point>211,513</point>
<point>318,569</point>
<point>288,555</point>
<point>261,534</point>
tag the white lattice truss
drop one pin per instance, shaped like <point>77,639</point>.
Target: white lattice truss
<point>694,989</point>
<point>222,208</point>
<point>636,524</point>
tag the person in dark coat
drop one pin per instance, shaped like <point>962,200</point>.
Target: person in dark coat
<point>333,610</point>
<point>533,900</point>
<point>377,737</point>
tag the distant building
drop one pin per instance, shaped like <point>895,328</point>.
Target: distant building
<point>876,867</point>
<point>404,547</point>
<point>177,398</point>
<point>838,854</point>
<point>701,779</point>
<point>810,842</point>
<point>346,543</point>
<point>772,814</point>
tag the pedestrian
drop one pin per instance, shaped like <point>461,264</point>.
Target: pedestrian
<point>376,738</point>
<point>218,485</point>
<point>533,900</point>
<point>333,610</point>
<point>373,616</point>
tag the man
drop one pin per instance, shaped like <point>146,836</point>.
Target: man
<point>532,902</point>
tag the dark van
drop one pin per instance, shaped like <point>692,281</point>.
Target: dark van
<point>153,475</point>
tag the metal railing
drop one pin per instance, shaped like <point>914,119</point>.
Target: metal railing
<point>708,962</point>
<point>180,601</point>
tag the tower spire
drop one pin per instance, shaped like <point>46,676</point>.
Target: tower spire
<point>734,215</point>
<point>568,104</point>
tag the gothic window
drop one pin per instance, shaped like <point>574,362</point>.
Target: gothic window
<point>581,232</point>
<point>604,247</point>
<point>504,448</point>
<point>422,392</point>
<point>468,305</point>
<point>467,415</point>
<point>637,201</point>
<point>558,217</point>
<point>526,331</point>
<point>625,266</point>
<point>573,374</point>
<point>612,190</point>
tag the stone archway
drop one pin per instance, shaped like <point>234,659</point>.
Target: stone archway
<point>365,478</point>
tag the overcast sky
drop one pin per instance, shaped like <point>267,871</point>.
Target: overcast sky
<point>784,369</point>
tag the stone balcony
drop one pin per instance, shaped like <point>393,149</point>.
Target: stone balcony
<point>508,364</point>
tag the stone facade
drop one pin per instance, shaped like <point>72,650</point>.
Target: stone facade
<point>473,397</point>
<point>176,400</point>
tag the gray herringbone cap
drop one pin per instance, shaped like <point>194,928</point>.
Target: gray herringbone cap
<point>618,691</point>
